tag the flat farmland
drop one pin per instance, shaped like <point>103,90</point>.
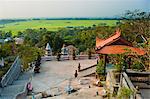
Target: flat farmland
<point>52,25</point>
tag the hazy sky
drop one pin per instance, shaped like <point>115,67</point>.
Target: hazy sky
<point>69,8</point>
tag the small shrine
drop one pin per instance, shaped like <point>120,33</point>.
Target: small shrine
<point>48,49</point>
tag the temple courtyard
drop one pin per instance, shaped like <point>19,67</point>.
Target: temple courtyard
<point>55,77</point>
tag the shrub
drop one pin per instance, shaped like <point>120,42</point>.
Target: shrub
<point>100,67</point>
<point>137,66</point>
<point>125,93</point>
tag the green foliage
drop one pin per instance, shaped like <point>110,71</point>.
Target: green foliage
<point>40,37</point>
<point>137,66</point>
<point>8,61</point>
<point>4,34</point>
<point>125,93</point>
<point>7,52</point>
<point>57,43</point>
<point>104,32</point>
<point>1,73</point>
<point>100,67</point>
<point>119,61</point>
<point>7,49</point>
<point>28,54</point>
<point>118,67</point>
<point>135,23</point>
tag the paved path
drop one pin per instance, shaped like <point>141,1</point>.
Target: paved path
<point>54,72</point>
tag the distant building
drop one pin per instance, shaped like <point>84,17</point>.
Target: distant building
<point>19,40</point>
<point>68,50</point>
<point>8,39</point>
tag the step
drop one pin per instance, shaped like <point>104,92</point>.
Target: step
<point>24,76</point>
<point>20,82</point>
<point>12,90</point>
<point>7,97</point>
<point>0,89</point>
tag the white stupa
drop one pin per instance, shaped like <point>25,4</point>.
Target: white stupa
<point>48,50</point>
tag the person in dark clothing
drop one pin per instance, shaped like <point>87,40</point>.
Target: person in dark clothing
<point>58,56</point>
<point>79,67</point>
<point>76,74</point>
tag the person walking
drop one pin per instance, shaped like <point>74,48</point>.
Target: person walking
<point>76,74</point>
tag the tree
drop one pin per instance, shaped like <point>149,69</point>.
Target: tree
<point>8,34</point>
<point>31,56</point>
<point>7,49</point>
<point>137,24</point>
<point>119,62</point>
<point>57,43</point>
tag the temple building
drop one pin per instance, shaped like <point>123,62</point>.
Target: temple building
<point>19,40</point>
<point>138,82</point>
<point>116,45</point>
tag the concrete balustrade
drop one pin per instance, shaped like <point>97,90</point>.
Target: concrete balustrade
<point>12,73</point>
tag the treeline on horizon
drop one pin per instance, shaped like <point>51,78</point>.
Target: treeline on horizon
<point>6,21</point>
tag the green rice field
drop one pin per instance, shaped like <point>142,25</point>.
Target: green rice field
<point>52,25</point>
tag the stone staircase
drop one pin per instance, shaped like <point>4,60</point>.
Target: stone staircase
<point>17,87</point>
<point>13,84</point>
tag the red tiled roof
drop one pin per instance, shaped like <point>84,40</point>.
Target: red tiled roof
<point>120,49</point>
<point>105,47</point>
<point>101,43</point>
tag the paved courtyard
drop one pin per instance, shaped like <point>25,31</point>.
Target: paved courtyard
<point>53,73</point>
